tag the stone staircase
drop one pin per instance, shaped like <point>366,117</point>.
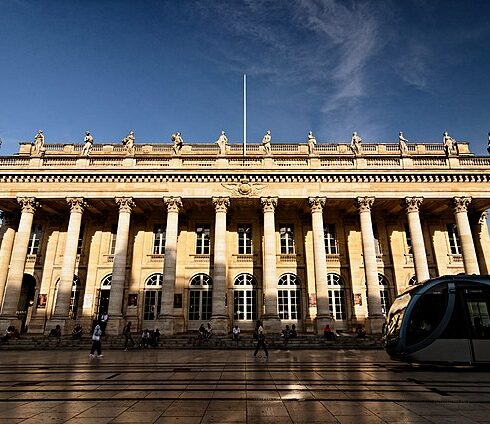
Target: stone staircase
<point>189,341</point>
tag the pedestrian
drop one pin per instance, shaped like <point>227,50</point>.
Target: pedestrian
<point>286,333</point>
<point>96,346</point>
<point>127,336</point>
<point>103,322</point>
<point>236,333</point>
<point>209,331</point>
<point>260,339</point>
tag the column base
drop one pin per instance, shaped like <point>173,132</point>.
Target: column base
<point>166,323</point>
<point>114,325</point>
<point>219,324</point>
<point>272,324</point>
<point>322,321</point>
<point>374,324</point>
<point>6,321</point>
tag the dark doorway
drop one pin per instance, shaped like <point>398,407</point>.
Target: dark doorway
<point>26,301</point>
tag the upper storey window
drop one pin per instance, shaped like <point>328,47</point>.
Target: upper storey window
<point>377,244</point>
<point>244,239</point>
<point>330,239</point>
<point>80,240</point>
<point>286,232</point>
<point>203,236</point>
<point>159,233</point>
<point>454,242</point>
<point>408,239</point>
<point>34,240</point>
<point>112,245</point>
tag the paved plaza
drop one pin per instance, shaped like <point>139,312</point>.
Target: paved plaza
<point>231,386</point>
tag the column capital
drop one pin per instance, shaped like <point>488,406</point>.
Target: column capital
<point>125,203</point>
<point>365,203</point>
<point>269,204</point>
<point>461,204</point>
<point>316,203</point>
<point>221,204</point>
<point>413,203</point>
<point>77,204</point>
<point>174,204</point>
<point>28,204</point>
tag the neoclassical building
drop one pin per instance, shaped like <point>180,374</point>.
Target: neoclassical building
<point>171,237</point>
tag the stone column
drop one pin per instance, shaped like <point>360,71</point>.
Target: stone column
<point>323,311</point>
<point>270,317</point>
<point>463,225</point>
<point>77,205</point>
<point>119,267</point>
<point>18,259</point>
<point>174,204</point>
<point>6,250</point>
<point>219,318</point>
<point>417,237</point>
<point>375,319</point>
<point>483,243</point>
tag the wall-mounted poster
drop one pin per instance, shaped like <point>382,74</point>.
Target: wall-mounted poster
<point>41,301</point>
<point>312,299</point>
<point>177,300</point>
<point>358,299</point>
<point>132,300</point>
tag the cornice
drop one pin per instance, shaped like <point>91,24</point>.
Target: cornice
<point>231,177</point>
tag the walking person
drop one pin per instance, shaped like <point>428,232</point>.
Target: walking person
<point>127,336</point>
<point>259,330</point>
<point>103,322</point>
<point>96,346</point>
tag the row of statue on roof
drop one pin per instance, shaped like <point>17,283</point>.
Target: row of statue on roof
<point>450,144</point>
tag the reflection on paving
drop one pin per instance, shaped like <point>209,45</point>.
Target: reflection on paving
<point>195,386</point>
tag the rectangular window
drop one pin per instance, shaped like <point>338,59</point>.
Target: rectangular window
<point>33,247</point>
<point>330,239</point>
<point>159,233</point>
<point>286,232</point>
<point>244,239</point>
<point>153,300</point>
<point>80,240</point>
<point>203,233</point>
<point>408,238</point>
<point>244,305</point>
<point>112,245</point>
<point>454,242</point>
<point>377,244</point>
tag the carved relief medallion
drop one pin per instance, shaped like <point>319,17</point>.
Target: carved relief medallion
<point>244,188</point>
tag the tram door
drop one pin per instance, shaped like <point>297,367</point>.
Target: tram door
<point>478,306</point>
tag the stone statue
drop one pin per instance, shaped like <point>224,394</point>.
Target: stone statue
<point>402,142</point>
<point>488,144</point>
<point>311,142</point>
<point>178,142</point>
<point>39,148</point>
<point>355,143</point>
<point>128,142</point>
<point>89,141</point>
<point>266,142</point>
<point>222,141</point>
<point>450,144</point>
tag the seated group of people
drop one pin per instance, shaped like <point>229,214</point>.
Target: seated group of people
<point>289,333</point>
<point>11,333</point>
<point>150,338</point>
<point>204,333</point>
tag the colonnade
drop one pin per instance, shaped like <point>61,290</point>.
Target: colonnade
<point>14,246</point>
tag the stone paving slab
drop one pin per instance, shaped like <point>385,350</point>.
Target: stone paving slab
<point>189,386</point>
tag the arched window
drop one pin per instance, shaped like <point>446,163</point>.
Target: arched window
<point>106,282</point>
<point>288,297</point>
<point>244,297</point>
<point>412,281</point>
<point>384,294</point>
<point>153,297</point>
<point>336,296</point>
<point>200,297</point>
<point>74,298</point>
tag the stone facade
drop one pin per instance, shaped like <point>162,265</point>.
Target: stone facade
<point>167,240</point>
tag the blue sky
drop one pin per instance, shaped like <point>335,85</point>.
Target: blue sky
<point>332,66</point>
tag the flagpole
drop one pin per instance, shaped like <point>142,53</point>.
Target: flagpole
<point>244,114</point>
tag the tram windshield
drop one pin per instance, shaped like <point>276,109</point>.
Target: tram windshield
<point>395,316</point>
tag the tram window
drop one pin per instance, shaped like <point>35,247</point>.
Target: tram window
<point>457,327</point>
<point>478,304</point>
<point>427,314</point>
